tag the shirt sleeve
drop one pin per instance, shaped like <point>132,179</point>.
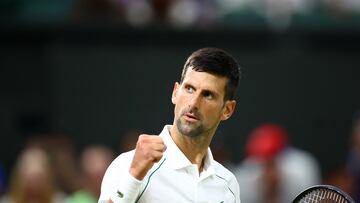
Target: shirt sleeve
<point>118,184</point>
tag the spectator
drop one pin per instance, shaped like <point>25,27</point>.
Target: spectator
<point>62,152</point>
<point>32,180</point>
<point>274,171</point>
<point>93,164</point>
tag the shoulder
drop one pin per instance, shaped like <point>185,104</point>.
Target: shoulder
<point>298,158</point>
<point>120,164</point>
<point>301,165</point>
<point>123,157</point>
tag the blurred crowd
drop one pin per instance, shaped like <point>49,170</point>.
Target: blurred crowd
<point>49,169</point>
<point>179,13</point>
<point>275,171</point>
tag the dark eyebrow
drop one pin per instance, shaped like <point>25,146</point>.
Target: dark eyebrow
<point>188,85</point>
<point>209,92</point>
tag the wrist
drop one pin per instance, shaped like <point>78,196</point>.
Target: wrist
<point>137,174</point>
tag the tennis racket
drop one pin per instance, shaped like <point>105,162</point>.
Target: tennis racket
<point>323,194</point>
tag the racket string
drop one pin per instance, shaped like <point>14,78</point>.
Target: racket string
<point>323,196</point>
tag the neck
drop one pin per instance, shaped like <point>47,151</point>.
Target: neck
<point>194,148</point>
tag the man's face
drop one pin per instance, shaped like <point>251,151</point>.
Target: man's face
<point>199,103</point>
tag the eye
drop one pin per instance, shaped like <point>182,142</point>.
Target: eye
<point>208,95</point>
<point>189,89</point>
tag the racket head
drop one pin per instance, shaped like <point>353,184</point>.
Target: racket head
<point>323,194</point>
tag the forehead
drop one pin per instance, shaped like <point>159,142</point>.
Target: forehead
<point>205,80</point>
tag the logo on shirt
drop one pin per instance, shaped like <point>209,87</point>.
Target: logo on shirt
<point>120,194</point>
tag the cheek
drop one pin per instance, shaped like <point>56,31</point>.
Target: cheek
<point>212,112</point>
<point>177,110</point>
<point>180,102</point>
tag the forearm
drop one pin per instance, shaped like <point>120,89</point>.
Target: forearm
<point>118,185</point>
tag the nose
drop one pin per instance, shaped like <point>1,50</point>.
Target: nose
<point>195,101</point>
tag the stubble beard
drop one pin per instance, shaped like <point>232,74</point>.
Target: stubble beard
<point>190,130</point>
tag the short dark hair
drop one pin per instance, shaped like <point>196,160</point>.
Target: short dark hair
<point>215,61</point>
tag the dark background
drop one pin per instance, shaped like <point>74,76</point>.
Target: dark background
<point>95,83</point>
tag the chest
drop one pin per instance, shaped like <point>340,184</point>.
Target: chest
<point>184,186</point>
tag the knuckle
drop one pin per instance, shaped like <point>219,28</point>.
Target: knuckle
<point>141,140</point>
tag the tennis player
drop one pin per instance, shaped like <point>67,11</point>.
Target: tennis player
<point>177,165</point>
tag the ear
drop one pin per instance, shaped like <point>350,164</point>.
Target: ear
<point>229,109</point>
<point>174,93</point>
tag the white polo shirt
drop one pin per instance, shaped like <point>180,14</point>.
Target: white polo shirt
<point>173,179</point>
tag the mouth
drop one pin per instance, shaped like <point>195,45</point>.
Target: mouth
<point>189,117</point>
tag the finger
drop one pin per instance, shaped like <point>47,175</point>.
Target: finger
<point>150,138</point>
<point>158,147</point>
<point>157,156</point>
<point>157,139</point>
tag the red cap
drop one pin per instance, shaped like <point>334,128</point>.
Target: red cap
<point>266,141</point>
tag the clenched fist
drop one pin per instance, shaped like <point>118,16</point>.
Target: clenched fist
<point>149,150</point>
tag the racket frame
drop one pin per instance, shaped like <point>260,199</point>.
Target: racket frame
<point>324,187</point>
